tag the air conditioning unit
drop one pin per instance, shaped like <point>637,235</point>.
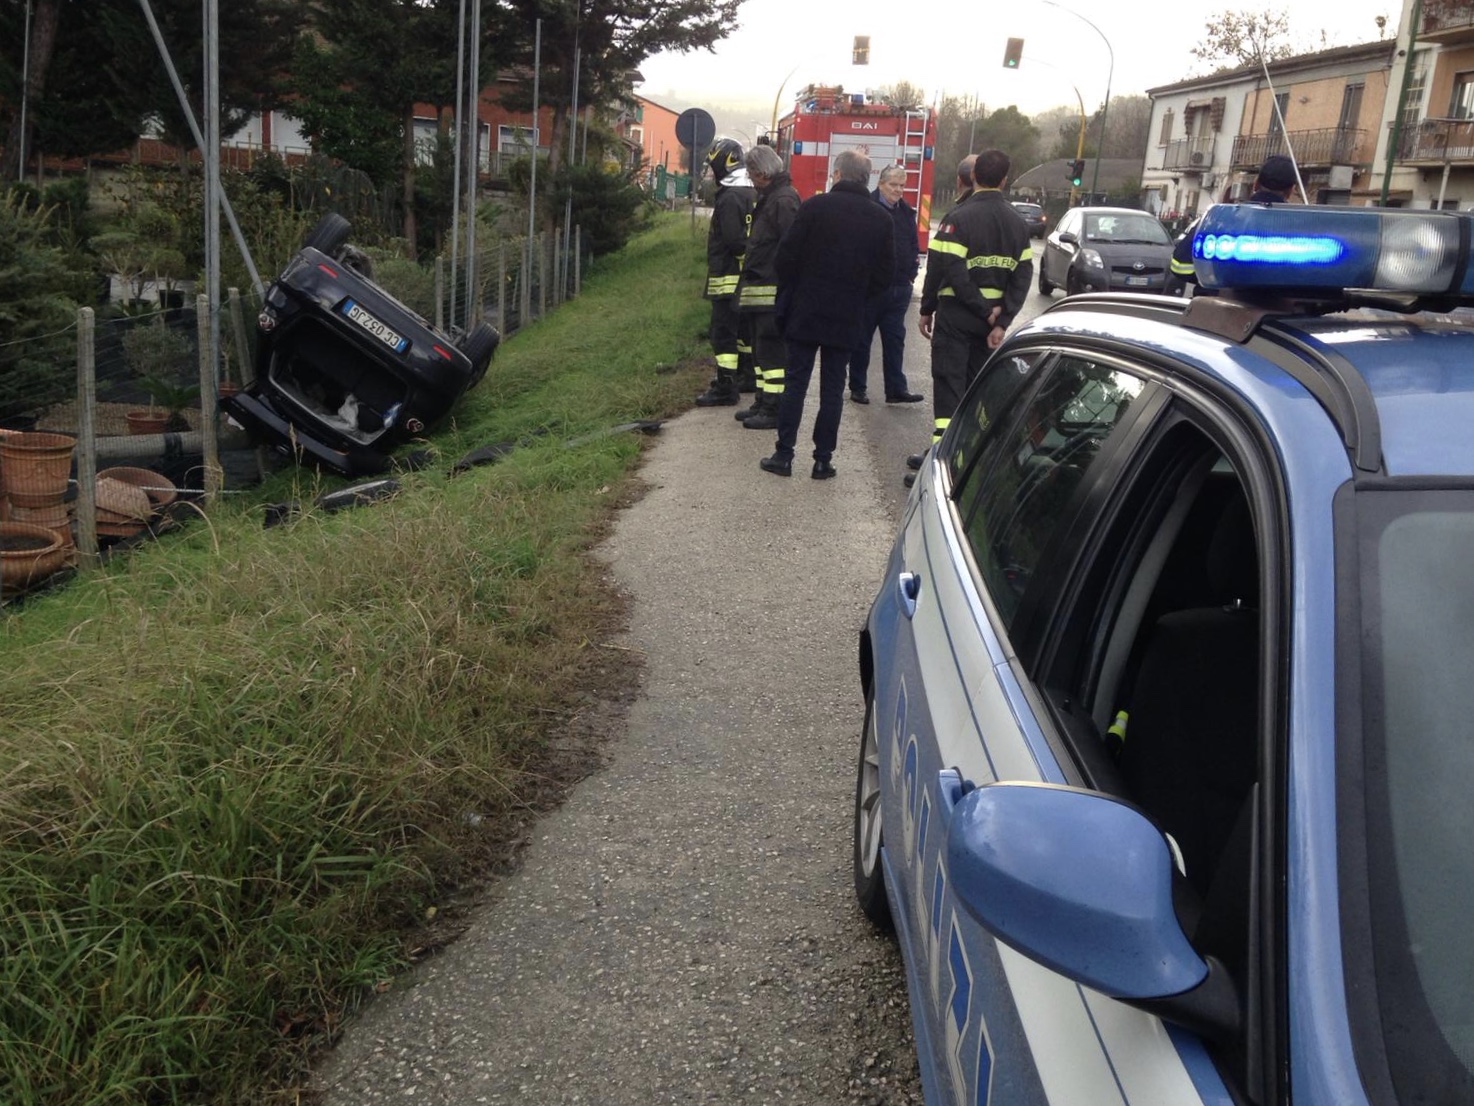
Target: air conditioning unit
<point>1198,157</point>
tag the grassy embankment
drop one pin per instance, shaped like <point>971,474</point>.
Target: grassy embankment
<point>239,766</point>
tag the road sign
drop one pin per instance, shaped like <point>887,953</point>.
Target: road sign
<point>695,129</point>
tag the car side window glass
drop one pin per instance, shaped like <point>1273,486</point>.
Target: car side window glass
<point>1000,380</point>
<point>1032,467</point>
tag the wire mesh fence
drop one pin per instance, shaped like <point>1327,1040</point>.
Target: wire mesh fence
<point>109,426</point>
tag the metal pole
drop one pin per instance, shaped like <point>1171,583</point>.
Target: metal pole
<point>572,141</point>
<point>1105,106</point>
<point>210,444</point>
<point>199,141</point>
<point>473,170</point>
<point>25,88</point>
<point>212,196</point>
<point>238,332</point>
<point>460,142</point>
<point>1395,137</point>
<point>86,509</point>
<point>537,63</point>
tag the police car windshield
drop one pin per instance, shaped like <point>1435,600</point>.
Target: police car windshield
<point>1140,229</point>
<point>1416,776</point>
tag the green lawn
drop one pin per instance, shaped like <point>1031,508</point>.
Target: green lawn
<point>241,768</point>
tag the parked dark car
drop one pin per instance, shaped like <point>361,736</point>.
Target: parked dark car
<point>345,373</point>
<point>1105,249</point>
<point>1033,216</point>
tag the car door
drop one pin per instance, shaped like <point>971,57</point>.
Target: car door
<point>1058,253</point>
<point>1007,486</point>
<point>1141,654</point>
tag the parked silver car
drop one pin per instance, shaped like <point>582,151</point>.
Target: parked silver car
<point>1105,249</point>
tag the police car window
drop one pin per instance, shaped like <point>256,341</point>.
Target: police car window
<point>999,381</point>
<point>1012,501</point>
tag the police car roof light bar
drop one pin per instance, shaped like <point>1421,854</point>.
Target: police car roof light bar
<point>1293,248</point>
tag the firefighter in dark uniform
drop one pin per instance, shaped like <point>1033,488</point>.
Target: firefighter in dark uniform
<point>777,204</point>
<point>725,242</point>
<point>1273,185</point>
<point>980,264</point>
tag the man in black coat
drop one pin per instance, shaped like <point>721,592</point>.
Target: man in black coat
<point>888,314</point>
<point>836,257</point>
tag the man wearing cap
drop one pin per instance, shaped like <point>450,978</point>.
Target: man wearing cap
<point>1273,185</point>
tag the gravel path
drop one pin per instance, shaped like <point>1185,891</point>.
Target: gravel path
<point>682,929</point>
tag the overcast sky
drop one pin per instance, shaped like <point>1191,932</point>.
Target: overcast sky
<point>955,47</point>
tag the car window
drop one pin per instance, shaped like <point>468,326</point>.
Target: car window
<point>1151,668</point>
<point>1416,774</point>
<point>999,381</point>
<point>1126,227</point>
<point>1012,498</point>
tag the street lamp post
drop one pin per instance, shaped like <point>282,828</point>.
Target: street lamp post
<point>1106,104</point>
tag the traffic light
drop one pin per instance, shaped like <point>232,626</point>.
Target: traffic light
<point>1077,172</point>
<point>861,53</point>
<point>1012,53</point>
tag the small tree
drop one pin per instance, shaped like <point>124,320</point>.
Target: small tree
<point>162,358</point>
<point>37,311</point>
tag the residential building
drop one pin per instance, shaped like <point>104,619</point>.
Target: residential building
<point>1209,135</point>
<point>649,132</point>
<point>1428,130</point>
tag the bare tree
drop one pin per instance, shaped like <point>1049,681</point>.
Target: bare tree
<point>1234,38</point>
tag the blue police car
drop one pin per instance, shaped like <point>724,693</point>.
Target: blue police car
<point>1167,775</point>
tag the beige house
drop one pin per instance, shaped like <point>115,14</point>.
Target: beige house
<point>1426,146</point>
<point>1212,133</point>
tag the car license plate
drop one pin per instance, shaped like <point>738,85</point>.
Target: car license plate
<point>394,340</point>
<point>1137,282</point>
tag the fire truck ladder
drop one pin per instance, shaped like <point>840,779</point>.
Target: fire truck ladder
<point>913,148</point>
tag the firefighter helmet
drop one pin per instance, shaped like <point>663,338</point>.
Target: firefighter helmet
<point>724,157</point>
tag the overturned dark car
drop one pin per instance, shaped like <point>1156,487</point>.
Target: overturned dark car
<point>345,373</point>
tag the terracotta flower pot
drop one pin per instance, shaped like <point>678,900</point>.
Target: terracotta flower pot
<point>28,554</point>
<point>35,466</point>
<point>146,422</point>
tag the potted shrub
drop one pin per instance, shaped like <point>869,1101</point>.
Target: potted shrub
<point>161,358</point>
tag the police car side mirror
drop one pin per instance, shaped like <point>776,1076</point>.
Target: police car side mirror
<point>1068,236</point>
<point>1081,882</point>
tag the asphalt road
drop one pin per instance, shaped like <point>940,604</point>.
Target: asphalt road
<point>683,929</point>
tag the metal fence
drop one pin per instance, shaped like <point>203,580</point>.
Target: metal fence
<point>108,427</point>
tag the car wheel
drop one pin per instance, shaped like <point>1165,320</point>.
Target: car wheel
<point>1044,286</point>
<point>869,874</point>
<point>330,234</point>
<point>478,347</point>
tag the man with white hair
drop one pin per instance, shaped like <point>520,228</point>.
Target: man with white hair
<point>837,255</point>
<point>888,313</point>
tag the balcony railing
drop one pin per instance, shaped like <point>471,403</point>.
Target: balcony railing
<point>1189,153</point>
<point>1326,146</point>
<point>1437,140</point>
<point>1441,16</point>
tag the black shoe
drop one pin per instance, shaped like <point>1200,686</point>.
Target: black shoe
<point>909,479</point>
<point>722,393</point>
<point>762,420</point>
<point>915,461</point>
<point>747,412</point>
<point>823,470</point>
<point>859,397</point>
<point>905,397</point>
<point>777,464</point>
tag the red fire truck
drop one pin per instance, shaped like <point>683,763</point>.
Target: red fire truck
<point>826,120</point>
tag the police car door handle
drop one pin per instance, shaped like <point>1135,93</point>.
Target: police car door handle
<point>909,585</point>
<point>951,787</point>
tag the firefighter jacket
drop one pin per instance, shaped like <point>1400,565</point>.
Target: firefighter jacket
<point>725,241</point>
<point>776,207</point>
<point>981,257</point>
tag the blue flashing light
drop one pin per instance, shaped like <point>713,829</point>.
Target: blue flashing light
<point>1272,249</point>
<point>1296,247</point>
